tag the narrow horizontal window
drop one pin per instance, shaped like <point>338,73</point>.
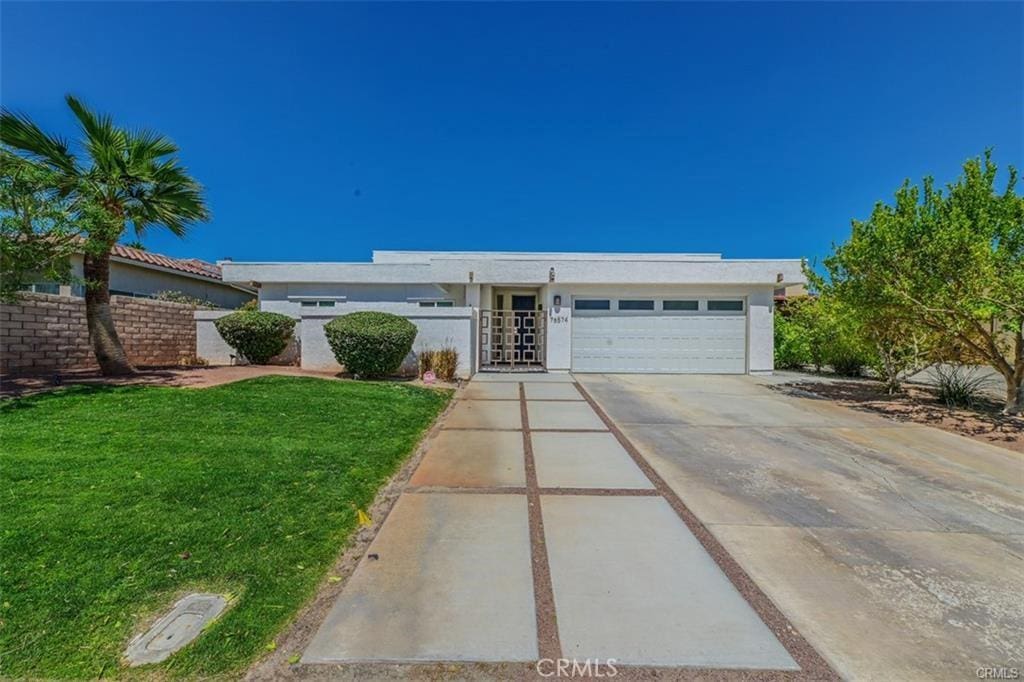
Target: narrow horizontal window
<point>446,304</point>
<point>725,305</point>
<point>679,305</point>
<point>628,304</point>
<point>309,304</point>
<point>592,304</point>
<point>325,304</point>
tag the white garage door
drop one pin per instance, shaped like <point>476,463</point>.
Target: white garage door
<point>671,336</point>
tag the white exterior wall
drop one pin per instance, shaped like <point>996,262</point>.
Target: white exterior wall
<point>437,328</point>
<point>212,348</point>
<point>209,344</point>
<point>761,331</point>
<point>274,297</point>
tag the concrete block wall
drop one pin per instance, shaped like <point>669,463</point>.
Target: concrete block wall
<point>47,333</point>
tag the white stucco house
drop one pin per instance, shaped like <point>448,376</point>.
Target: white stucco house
<point>513,311</point>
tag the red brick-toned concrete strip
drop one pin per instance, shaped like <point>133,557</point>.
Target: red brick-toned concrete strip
<point>812,665</point>
<point>625,492</point>
<point>548,644</point>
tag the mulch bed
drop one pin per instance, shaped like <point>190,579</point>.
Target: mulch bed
<point>919,404</point>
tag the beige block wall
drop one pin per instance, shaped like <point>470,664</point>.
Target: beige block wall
<point>47,333</point>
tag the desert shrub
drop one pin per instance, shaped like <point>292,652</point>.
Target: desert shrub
<point>792,349</point>
<point>257,336</point>
<point>959,386</point>
<point>181,297</point>
<point>251,304</point>
<point>370,344</point>
<point>847,362</point>
<point>443,362</point>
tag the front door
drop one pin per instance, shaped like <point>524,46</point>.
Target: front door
<point>525,325</point>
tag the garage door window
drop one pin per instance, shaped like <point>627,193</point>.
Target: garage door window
<point>626,304</point>
<point>732,306</point>
<point>592,304</point>
<point>679,305</point>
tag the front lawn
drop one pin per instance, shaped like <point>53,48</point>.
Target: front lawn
<point>117,500</point>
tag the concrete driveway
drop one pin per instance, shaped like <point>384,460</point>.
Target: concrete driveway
<point>532,529</point>
<point>896,550</point>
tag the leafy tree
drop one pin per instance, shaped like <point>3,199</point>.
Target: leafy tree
<point>129,178</point>
<point>37,234</point>
<point>948,262</point>
<point>899,346</point>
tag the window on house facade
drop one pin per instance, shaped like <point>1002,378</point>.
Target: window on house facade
<point>725,305</point>
<point>679,305</point>
<point>637,304</point>
<point>43,288</point>
<point>592,304</point>
<point>437,304</point>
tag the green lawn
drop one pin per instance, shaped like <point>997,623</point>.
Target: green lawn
<point>116,500</point>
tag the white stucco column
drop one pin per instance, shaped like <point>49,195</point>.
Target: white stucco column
<point>473,296</point>
<point>761,335</point>
<point>559,328</point>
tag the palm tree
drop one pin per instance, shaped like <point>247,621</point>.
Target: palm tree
<point>131,178</point>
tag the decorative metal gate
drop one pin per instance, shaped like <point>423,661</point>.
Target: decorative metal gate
<point>511,339</point>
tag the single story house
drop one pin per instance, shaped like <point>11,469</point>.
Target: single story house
<point>514,311</point>
<point>144,274</point>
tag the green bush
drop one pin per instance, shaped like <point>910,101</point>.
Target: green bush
<point>257,336</point>
<point>370,344</point>
<point>792,349</point>
<point>820,332</point>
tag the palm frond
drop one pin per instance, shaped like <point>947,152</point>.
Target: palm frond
<point>105,142</point>
<point>21,134</point>
<point>146,147</point>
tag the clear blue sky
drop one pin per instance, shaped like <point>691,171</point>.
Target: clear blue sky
<point>324,130</point>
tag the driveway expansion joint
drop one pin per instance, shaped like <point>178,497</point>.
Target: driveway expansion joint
<point>548,644</point>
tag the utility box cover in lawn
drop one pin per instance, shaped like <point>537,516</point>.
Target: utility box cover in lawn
<point>173,631</point>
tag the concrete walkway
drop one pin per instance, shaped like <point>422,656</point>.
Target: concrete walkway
<point>533,529</point>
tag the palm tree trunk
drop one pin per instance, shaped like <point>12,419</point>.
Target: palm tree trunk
<point>102,335</point>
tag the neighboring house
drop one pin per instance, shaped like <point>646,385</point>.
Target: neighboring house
<point>134,272</point>
<point>585,312</point>
<point>794,291</point>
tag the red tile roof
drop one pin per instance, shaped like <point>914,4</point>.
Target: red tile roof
<point>192,266</point>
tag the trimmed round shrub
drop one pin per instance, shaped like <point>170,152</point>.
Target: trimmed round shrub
<point>256,335</point>
<point>370,344</point>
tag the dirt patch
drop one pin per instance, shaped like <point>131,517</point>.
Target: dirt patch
<point>919,405</point>
<point>187,377</point>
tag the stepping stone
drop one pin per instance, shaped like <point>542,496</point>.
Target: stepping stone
<point>551,391</point>
<point>584,460</point>
<point>564,415</point>
<point>632,583</point>
<point>485,414</point>
<point>176,629</point>
<point>494,390</point>
<point>473,459</point>
<point>452,582</point>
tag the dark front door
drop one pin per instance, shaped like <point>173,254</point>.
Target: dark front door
<point>523,308</point>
